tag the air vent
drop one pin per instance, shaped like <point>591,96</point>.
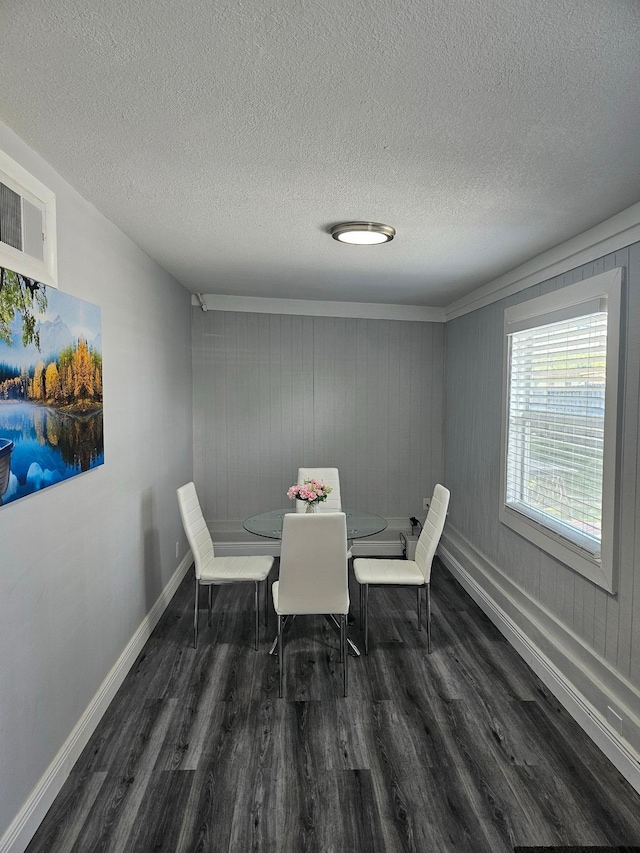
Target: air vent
<point>21,223</point>
<point>10,217</point>
<point>27,224</point>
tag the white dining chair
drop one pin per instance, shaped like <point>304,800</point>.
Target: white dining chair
<point>417,573</point>
<point>330,477</point>
<point>313,576</point>
<point>333,503</point>
<point>211,570</point>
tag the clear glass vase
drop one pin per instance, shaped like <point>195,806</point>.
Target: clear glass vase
<point>312,506</point>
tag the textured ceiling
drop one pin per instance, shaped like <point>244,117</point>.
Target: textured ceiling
<point>226,137</point>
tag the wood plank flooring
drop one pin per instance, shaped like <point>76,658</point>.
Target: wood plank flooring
<point>461,750</point>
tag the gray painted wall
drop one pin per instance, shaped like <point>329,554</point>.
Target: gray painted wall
<point>577,611</point>
<point>82,562</point>
<point>273,392</point>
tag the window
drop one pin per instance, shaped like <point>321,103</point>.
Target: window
<point>27,224</point>
<point>560,423</point>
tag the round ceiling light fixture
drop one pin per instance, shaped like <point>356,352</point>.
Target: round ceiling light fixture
<point>363,233</point>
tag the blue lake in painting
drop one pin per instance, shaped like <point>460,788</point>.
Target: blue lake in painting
<point>50,445</point>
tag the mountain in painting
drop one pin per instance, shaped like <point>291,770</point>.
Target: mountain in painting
<point>54,336</point>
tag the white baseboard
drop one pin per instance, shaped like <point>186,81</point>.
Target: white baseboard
<point>23,827</point>
<point>482,588</point>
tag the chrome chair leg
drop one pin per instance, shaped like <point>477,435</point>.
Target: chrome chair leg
<point>280,655</point>
<point>428,586</point>
<point>256,605</point>
<point>366,618</point>
<point>266,596</point>
<point>195,616</point>
<point>419,606</point>
<point>361,604</point>
<point>209,604</point>
<point>343,651</point>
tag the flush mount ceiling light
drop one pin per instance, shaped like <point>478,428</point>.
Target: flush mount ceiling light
<point>363,233</point>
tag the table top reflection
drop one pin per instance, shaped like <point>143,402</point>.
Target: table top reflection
<point>359,523</point>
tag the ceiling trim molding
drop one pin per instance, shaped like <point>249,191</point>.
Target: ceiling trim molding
<point>313,308</point>
<point>615,233</point>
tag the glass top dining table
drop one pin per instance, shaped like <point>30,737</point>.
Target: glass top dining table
<point>359,523</point>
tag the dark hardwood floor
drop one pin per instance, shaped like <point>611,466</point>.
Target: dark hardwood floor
<point>460,750</point>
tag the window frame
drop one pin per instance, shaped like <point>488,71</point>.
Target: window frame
<point>571,301</point>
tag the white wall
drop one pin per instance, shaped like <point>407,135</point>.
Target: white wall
<point>82,563</point>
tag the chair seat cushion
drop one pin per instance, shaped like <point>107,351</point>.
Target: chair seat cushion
<point>404,572</point>
<point>229,569</point>
<point>304,610</point>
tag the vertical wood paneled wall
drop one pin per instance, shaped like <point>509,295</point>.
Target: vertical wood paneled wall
<point>273,392</point>
<point>609,624</point>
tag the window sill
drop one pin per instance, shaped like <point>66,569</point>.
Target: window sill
<point>570,555</point>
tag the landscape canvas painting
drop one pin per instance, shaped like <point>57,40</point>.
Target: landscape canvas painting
<point>50,386</point>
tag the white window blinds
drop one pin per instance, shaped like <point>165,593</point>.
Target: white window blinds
<point>560,450</point>
<point>555,426</point>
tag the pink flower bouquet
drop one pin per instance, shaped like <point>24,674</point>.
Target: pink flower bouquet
<point>312,492</point>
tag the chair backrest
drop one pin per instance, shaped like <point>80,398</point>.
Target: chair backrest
<point>330,477</point>
<point>432,530</point>
<point>313,564</point>
<point>195,526</point>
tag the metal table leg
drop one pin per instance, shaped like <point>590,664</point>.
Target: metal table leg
<point>354,651</point>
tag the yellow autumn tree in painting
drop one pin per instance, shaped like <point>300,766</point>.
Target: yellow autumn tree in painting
<point>37,383</point>
<point>82,369</point>
<point>52,382</point>
<point>73,381</point>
